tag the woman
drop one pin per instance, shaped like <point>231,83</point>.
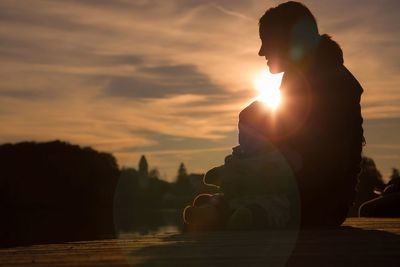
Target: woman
<point>321,111</point>
<point>318,126</point>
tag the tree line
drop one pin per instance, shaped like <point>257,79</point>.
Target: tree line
<point>56,191</point>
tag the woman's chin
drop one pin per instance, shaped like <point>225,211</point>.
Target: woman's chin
<point>275,70</point>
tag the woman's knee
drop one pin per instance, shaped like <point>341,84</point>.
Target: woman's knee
<point>384,206</point>
<point>367,209</point>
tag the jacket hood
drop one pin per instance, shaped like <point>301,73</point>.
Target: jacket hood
<point>328,52</point>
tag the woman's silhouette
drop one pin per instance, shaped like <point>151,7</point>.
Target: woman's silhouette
<point>318,129</point>
<point>321,111</point>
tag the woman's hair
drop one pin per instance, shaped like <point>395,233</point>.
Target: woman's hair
<point>291,25</point>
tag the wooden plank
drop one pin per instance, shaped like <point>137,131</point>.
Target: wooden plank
<point>361,242</point>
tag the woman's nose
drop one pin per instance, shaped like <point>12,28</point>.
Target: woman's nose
<point>261,52</point>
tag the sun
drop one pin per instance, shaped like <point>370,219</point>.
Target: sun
<point>267,85</point>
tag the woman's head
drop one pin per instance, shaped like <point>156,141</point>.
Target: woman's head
<point>288,32</point>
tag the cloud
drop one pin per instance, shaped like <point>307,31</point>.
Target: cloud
<point>55,52</point>
<point>163,81</point>
<point>151,75</point>
<point>22,94</point>
<point>15,13</point>
<point>232,13</point>
<point>166,142</point>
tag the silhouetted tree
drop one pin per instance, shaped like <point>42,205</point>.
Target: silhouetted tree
<point>143,172</point>
<point>182,184</point>
<point>393,186</point>
<point>128,193</point>
<point>55,191</point>
<point>143,166</point>
<point>154,174</point>
<point>182,172</point>
<point>395,176</point>
<point>156,190</point>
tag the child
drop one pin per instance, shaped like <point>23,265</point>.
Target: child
<point>253,182</point>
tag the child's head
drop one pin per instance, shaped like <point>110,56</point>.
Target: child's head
<point>253,125</point>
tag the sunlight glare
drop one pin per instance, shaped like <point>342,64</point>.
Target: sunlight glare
<point>267,85</point>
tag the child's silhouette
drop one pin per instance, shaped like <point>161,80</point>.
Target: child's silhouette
<point>253,181</point>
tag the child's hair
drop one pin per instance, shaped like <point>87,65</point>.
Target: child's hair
<point>253,123</point>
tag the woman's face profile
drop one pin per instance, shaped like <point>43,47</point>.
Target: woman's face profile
<point>274,54</point>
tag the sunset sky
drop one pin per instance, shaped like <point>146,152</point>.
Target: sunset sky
<point>168,78</point>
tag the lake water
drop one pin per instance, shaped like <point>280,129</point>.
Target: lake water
<point>148,223</point>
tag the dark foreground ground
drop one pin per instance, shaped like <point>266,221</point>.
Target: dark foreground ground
<point>360,242</point>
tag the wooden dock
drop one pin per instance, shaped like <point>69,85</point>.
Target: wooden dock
<point>360,242</point>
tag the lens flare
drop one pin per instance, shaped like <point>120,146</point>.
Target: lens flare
<point>267,85</point>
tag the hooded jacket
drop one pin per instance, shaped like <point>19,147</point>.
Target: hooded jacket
<point>321,120</point>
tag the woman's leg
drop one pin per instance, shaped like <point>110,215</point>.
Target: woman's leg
<point>384,206</point>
